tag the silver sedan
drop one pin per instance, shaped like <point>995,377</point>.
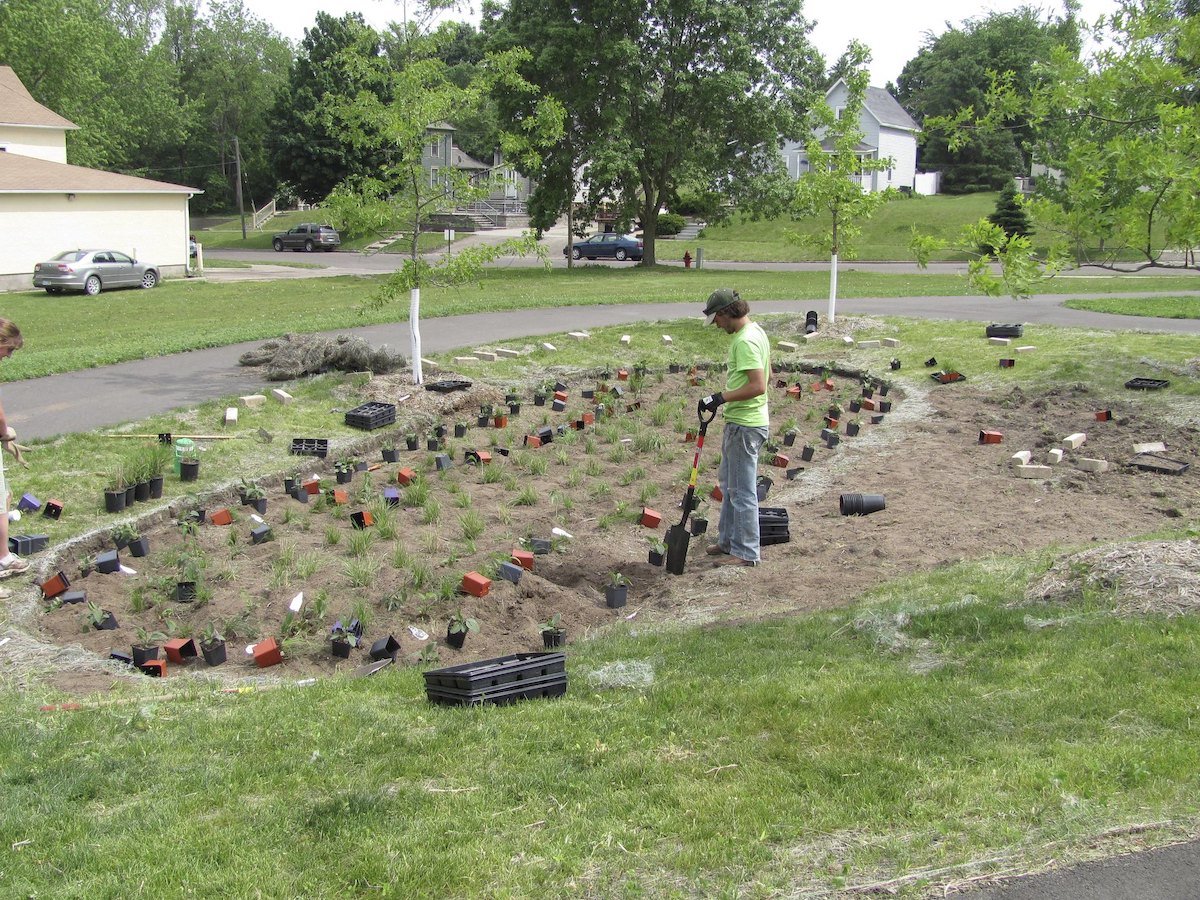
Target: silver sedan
<point>93,271</point>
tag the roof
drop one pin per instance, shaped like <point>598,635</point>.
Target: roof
<point>30,175</point>
<point>17,106</point>
<point>884,107</point>
<point>461,160</point>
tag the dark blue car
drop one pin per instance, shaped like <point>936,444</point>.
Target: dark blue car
<point>607,246</point>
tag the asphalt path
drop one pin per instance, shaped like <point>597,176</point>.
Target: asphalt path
<point>110,395</point>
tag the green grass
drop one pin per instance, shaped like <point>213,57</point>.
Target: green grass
<point>780,758</point>
<point>1164,307</point>
<point>75,332</point>
<point>885,236</point>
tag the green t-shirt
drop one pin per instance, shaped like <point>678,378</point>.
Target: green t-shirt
<point>749,349</point>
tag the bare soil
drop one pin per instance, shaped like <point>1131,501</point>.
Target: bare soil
<point>949,497</point>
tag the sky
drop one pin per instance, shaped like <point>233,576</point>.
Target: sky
<point>893,30</point>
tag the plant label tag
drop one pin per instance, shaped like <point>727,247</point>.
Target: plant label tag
<point>417,633</point>
<point>297,602</point>
<point>257,518</point>
<point>125,570</point>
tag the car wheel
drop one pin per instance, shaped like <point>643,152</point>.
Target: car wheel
<point>278,245</point>
<point>91,287</point>
<point>149,279</point>
<point>575,254</point>
<point>308,246</point>
<point>621,254</point>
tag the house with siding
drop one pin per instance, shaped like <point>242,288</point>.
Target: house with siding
<point>48,205</point>
<point>888,133</point>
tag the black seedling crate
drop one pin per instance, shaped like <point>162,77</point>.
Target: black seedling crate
<point>310,447</point>
<point>773,526</point>
<point>1146,384</point>
<point>495,673</point>
<point>532,689</point>
<point>446,386</point>
<point>24,544</point>
<point>370,416</point>
<point>1005,331</point>
<point>1160,465</point>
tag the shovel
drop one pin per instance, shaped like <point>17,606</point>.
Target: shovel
<point>677,535</point>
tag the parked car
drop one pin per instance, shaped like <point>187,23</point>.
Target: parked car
<point>93,271</point>
<point>307,237</point>
<point>607,246</point>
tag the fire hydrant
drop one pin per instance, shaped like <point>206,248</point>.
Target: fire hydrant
<point>687,260</point>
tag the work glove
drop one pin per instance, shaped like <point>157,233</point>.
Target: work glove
<point>710,403</point>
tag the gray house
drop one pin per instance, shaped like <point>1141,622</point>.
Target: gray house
<point>889,133</point>
<point>505,203</point>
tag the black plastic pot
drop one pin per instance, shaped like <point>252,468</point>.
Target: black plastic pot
<point>455,638</point>
<point>460,430</point>
<point>411,443</point>
<point>341,649</point>
<point>807,453</point>
<point>156,487</point>
<point>699,526</point>
<point>140,547</point>
<point>114,501</point>
<point>141,491</point>
<point>789,438</point>
<point>656,558</point>
<point>185,591</point>
<point>391,455</point>
<point>214,654</point>
<point>555,637</point>
<point>144,654</point>
<point>616,595</point>
<point>861,504</point>
<point>189,470</point>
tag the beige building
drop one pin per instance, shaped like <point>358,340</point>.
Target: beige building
<point>47,206</point>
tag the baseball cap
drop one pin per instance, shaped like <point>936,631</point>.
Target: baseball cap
<point>717,301</point>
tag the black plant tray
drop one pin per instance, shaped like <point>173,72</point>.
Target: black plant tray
<point>370,416</point>
<point>1007,331</point>
<point>499,672</point>
<point>1146,384</point>
<point>533,689</point>
<point>773,526</point>
<point>1160,465</point>
<point>310,447</point>
<point>448,385</point>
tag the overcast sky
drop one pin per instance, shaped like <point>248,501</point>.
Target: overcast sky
<point>893,30</point>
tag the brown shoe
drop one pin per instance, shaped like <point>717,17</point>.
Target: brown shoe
<point>716,550</point>
<point>728,560</point>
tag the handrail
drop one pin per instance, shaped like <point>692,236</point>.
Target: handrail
<point>262,215</point>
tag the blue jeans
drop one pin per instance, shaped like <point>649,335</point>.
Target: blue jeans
<point>737,533</point>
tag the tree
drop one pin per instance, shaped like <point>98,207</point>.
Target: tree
<point>1010,214</point>
<point>1118,134</point>
<point>952,72</point>
<point>831,189</point>
<point>662,93</point>
<point>308,152</point>
<point>76,59</point>
<point>402,195</point>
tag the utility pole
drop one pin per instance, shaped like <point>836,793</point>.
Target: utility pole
<point>237,168</point>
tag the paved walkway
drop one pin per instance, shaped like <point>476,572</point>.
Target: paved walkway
<point>96,398</point>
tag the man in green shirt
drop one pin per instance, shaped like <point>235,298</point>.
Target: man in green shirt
<point>746,424</point>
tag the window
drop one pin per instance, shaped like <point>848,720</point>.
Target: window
<point>435,148</point>
<point>433,177</point>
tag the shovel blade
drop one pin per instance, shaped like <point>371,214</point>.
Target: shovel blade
<point>677,547</point>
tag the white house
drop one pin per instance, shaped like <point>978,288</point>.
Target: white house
<point>47,206</point>
<point>888,133</point>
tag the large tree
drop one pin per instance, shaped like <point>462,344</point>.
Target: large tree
<point>95,63</point>
<point>309,151</point>
<point>1119,135</point>
<point>665,92</point>
<point>952,71</point>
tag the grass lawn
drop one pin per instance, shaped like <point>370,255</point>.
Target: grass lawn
<point>1166,307</point>
<point>227,235</point>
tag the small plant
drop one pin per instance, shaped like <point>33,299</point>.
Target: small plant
<point>616,579</point>
<point>94,615</point>
<point>429,655</point>
<point>144,638</point>
<point>211,635</point>
<point>461,624</point>
<point>252,491</point>
<point>125,534</point>
<point>344,635</point>
<point>554,623</point>
<point>657,545</point>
